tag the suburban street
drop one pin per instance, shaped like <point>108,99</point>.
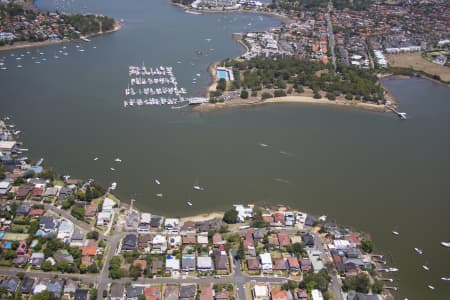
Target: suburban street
<point>331,39</point>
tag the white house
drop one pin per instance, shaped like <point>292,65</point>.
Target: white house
<point>108,205</point>
<point>172,225</point>
<point>103,218</point>
<point>159,244</point>
<point>65,230</point>
<point>266,262</point>
<point>204,263</point>
<point>172,264</point>
<point>244,212</point>
<point>7,146</point>
<point>316,295</point>
<point>260,291</point>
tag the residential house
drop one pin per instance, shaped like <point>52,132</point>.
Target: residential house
<point>204,263</point>
<point>63,255</point>
<point>144,223</point>
<point>244,212</point>
<point>159,244</point>
<point>221,260</point>
<point>129,243</point>
<point>258,236</point>
<point>279,219</point>
<point>174,241</point>
<point>278,294</point>
<point>260,291</point>
<point>77,239</point>
<point>301,294</point>
<point>23,192</point>
<point>70,286</point>
<point>188,228</point>
<point>172,264</point>
<point>65,230</point>
<point>308,239</point>
<point>273,241</point>
<point>316,295</point>
<point>293,264</point>
<point>56,288</point>
<point>37,258</point>
<point>36,213</point>
<point>155,223</point>
<point>289,218</point>
<point>217,239</point>
<point>108,205</point>
<point>202,239</point>
<point>266,262</point>
<point>283,239</point>
<point>51,192</point>
<point>141,264</point>
<point>152,293</point>
<point>133,292</point>
<point>144,242</point>
<point>132,221</point>
<point>5,187</point>
<point>27,285</point>
<point>21,260</point>
<point>305,264</point>
<point>188,262</point>
<point>90,211</point>
<point>222,295</point>
<point>188,292</point>
<point>171,293</point>
<point>37,193</point>
<point>40,286</point>
<point>117,292</point>
<point>23,209</point>
<point>253,264</point>
<point>172,225</point>
<point>81,294</point>
<point>103,218</point>
<point>189,240</point>
<point>352,295</point>
<point>48,225</point>
<point>90,250</point>
<point>279,264</point>
<point>206,293</point>
<point>64,192</point>
<point>157,266</point>
<point>22,248</point>
<point>10,284</point>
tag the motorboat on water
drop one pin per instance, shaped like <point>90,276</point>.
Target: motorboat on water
<point>118,160</point>
<point>395,232</point>
<point>198,188</point>
<point>95,158</point>
<point>431,287</point>
<point>159,195</point>
<point>189,203</point>
<point>113,185</point>
<point>418,250</point>
<point>112,169</point>
<point>263,145</point>
<point>445,244</point>
<point>445,278</point>
<point>40,161</point>
<point>425,267</point>
<point>157,181</point>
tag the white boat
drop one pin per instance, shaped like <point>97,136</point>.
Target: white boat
<point>113,185</point>
<point>159,195</point>
<point>395,232</point>
<point>392,270</point>
<point>323,218</point>
<point>263,145</point>
<point>40,162</point>
<point>418,250</point>
<point>445,244</point>
<point>118,160</point>
<point>425,267</point>
<point>198,188</point>
<point>157,181</point>
<point>19,66</point>
<point>431,287</point>
<point>95,158</point>
<point>112,169</point>
<point>445,278</point>
<point>189,203</point>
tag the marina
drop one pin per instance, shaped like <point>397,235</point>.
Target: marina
<point>153,86</point>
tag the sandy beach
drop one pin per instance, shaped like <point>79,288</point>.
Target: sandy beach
<point>204,217</point>
<point>289,99</point>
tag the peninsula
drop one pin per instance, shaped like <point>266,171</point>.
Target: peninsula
<point>61,236</point>
<point>22,26</point>
<point>347,46</point>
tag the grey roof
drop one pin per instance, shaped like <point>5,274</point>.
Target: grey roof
<point>77,235</point>
<point>188,291</point>
<point>171,293</point>
<point>47,222</point>
<point>55,287</point>
<point>188,262</point>
<point>352,294</point>
<point>81,294</point>
<point>155,221</point>
<point>64,192</point>
<point>117,290</point>
<point>10,284</point>
<point>134,291</point>
<point>310,220</point>
<point>129,242</point>
<point>23,209</point>
<point>308,239</point>
<point>27,285</point>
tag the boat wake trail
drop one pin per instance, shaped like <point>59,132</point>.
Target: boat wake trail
<point>282,180</point>
<point>178,107</point>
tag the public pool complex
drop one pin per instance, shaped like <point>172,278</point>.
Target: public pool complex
<point>225,73</point>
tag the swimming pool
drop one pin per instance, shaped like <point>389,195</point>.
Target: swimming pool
<point>7,245</point>
<point>222,74</point>
<point>2,234</point>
